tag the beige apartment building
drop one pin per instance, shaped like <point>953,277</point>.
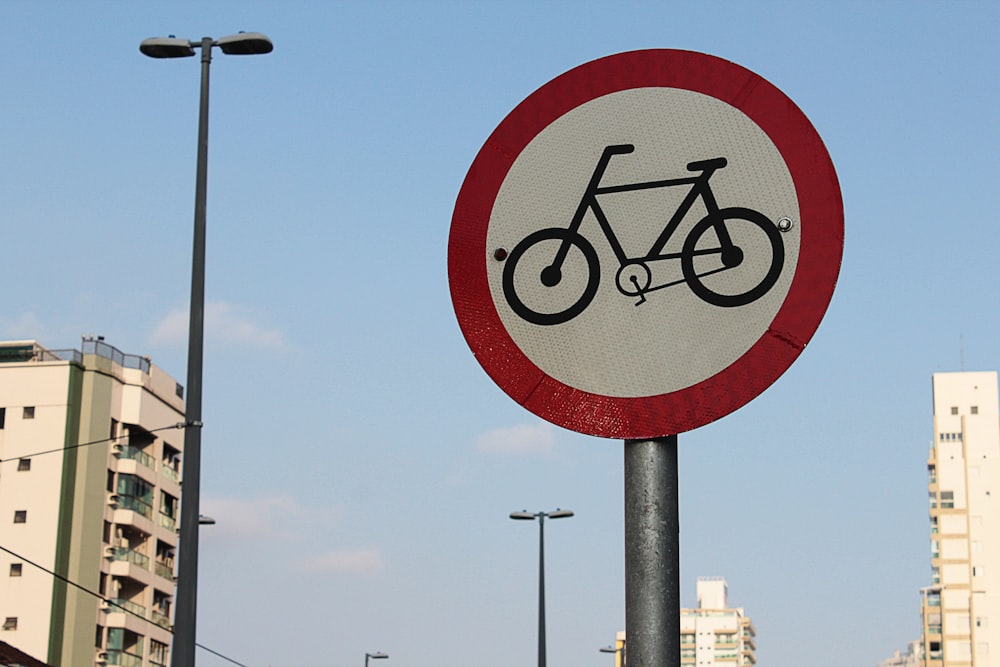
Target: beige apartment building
<point>90,448</point>
<point>713,634</point>
<point>960,610</point>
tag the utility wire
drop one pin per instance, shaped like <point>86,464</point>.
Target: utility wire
<point>110,602</point>
<point>96,442</point>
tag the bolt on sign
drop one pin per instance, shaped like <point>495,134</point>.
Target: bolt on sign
<point>645,243</point>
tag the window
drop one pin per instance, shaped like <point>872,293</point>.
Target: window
<point>974,410</point>
<point>954,410</point>
<point>3,416</point>
<point>947,499</point>
<point>15,569</point>
<point>10,623</point>
<point>158,653</point>
<point>29,412</point>
<point>23,465</point>
<point>20,516</point>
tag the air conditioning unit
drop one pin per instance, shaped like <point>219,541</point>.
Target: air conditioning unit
<point>109,552</point>
<point>101,658</point>
<point>116,449</point>
<point>105,605</point>
<point>113,499</point>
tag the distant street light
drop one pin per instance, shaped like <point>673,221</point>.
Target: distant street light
<point>524,515</point>
<point>375,656</point>
<point>241,44</point>
<point>619,654</point>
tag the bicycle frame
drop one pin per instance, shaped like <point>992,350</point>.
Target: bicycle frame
<point>700,188</point>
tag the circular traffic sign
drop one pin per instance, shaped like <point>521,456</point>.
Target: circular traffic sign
<point>645,243</point>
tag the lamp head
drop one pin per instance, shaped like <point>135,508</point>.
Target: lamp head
<point>166,47</point>
<point>245,44</point>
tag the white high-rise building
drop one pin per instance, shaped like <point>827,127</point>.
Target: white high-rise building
<point>89,491</point>
<point>711,634</point>
<point>961,607</point>
<point>715,633</point>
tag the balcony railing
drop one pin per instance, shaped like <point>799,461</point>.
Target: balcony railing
<point>168,521</point>
<point>170,473</point>
<point>161,620</point>
<point>124,659</point>
<point>136,609</point>
<point>136,454</point>
<point>163,570</point>
<point>134,557</point>
<point>135,504</point>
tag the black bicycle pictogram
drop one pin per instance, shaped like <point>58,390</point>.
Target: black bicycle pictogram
<point>634,277</point>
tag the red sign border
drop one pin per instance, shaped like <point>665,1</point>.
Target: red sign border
<point>821,220</point>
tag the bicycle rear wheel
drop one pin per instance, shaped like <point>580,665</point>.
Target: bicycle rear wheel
<point>705,263</point>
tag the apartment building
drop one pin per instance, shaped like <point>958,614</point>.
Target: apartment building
<point>909,658</point>
<point>90,449</point>
<point>960,610</point>
<point>715,633</point>
<point>711,634</point>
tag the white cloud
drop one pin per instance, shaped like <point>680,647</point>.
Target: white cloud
<point>26,326</point>
<point>266,517</point>
<point>534,439</point>
<point>223,321</point>
<point>357,561</point>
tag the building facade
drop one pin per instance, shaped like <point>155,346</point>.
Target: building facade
<point>715,633</point>
<point>711,634</point>
<point>960,610</point>
<point>90,448</point>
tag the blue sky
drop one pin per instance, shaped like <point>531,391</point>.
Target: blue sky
<point>359,462</point>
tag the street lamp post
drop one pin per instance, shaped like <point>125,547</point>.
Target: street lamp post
<point>375,656</point>
<point>541,516</point>
<point>251,43</point>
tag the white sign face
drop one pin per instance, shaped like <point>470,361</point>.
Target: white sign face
<point>645,244</point>
<point>646,328</point>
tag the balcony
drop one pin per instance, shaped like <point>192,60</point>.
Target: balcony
<point>135,454</point>
<point>165,570</point>
<point>134,557</point>
<point>117,604</point>
<point>171,474</point>
<point>168,522</point>
<point>136,504</point>
<point>161,620</point>
<point>124,659</point>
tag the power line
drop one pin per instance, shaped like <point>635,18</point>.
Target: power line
<point>178,425</point>
<point>109,602</point>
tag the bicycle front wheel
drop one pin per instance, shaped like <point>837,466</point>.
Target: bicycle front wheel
<point>543,293</point>
<point>737,274</point>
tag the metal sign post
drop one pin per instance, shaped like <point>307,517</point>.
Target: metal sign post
<point>652,553</point>
<point>641,247</point>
